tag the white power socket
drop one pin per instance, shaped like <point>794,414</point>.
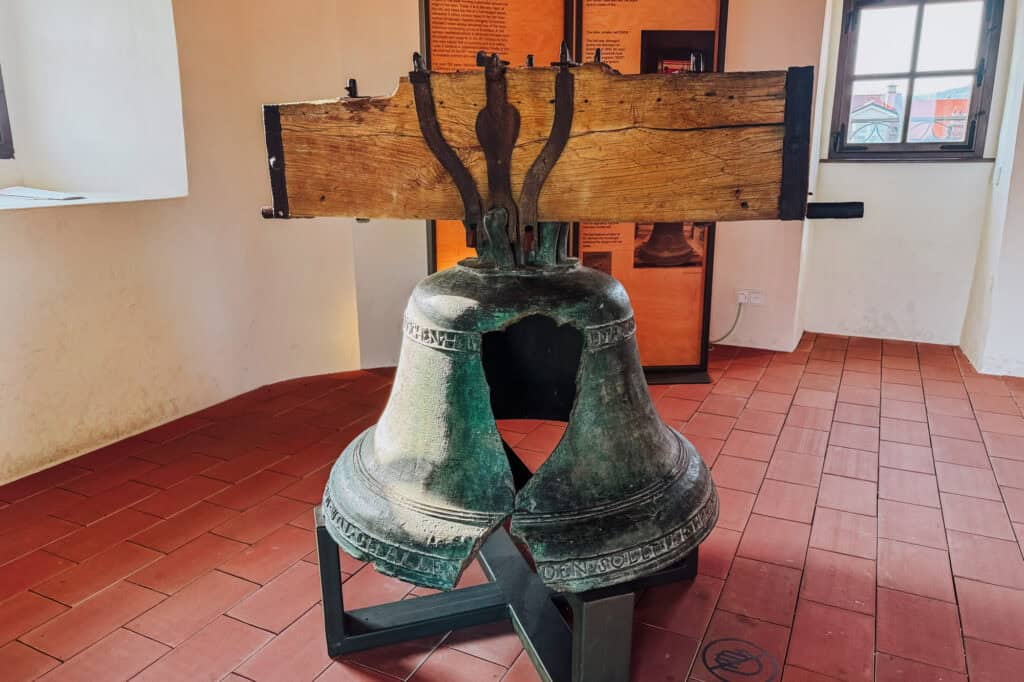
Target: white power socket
<point>750,296</point>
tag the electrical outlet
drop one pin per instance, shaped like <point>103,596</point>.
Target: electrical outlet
<point>750,296</point>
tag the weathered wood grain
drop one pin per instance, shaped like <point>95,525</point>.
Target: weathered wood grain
<point>642,148</point>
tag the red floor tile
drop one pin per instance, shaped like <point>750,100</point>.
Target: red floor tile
<point>737,387</point>
<point>96,573</point>
<point>33,535</point>
<point>234,470</point>
<point>102,535</point>
<point>786,501</point>
<point>25,611</point>
<point>819,382</point>
<point>19,662</point>
<point>854,436</point>
<point>962,452</point>
<point>911,523</point>
<point>987,662</point>
<point>180,616</point>
<point>1002,445</point>
<point>684,608</point>
<point>839,580</point>
<point>793,467</point>
<point>733,512</point>
<point>30,570</point>
<point>1009,472</point>
<point>263,519</point>
<point>953,407</point>
<point>672,409</point>
<point>809,418</point>
<point>717,551</point>
<point>451,665</point>
<point>770,638</point>
<point>250,491</point>
<point>349,672</point>
<point>965,480</point>
<point>117,498</point>
<point>832,641</point>
<point>775,541</point>
<point>986,559</point>
<point>803,441</point>
<point>916,569</point>
<point>712,425</point>
<point>118,656</point>
<point>889,668</point>
<point>894,391</point>
<point>92,620</point>
<point>495,642</point>
<point>860,396</point>
<point>184,527</point>
<point>179,496</point>
<point>38,482</point>
<point>190,561</point>
<point>920,629</point>
<point>848,494</point>
<point>210,654</point>
<point>760,590</point>
<point>900,409</point>
<point>269,557</point>
<point>971,515</point>
<point>283,600</point>
<point>738,473</point>
<point>908,486</point>
<point>995,403</point>
<point>946,389</point>
<point>844,533</point>
<point>370,588</point>
<point>906,456</point>
<point>298,653</point>
<point>724,405</point>
<point>863,415</point>
<point>954,427</point>
<point>852,463</point>
<point>1014,499</point>
<point>657,655</point>
<point>769,402</point>
<point>991,613</point>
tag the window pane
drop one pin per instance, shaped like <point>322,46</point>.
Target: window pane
<point>949,36</point>
<point>885,40</point>
<point>938,112</point>
<point>876,111</point>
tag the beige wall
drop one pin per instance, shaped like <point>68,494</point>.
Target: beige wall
<point>764,254</point>
<point>123,316</point>
<point>906,270</point>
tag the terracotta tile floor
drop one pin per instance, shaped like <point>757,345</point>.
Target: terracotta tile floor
<point>872,513</point>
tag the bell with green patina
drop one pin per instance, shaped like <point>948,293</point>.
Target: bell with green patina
<point>621,496</point>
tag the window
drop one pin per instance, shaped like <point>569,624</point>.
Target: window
<point>6,143</point>
<point>915,79</point>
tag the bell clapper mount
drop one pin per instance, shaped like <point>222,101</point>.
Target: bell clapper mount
<point>506,232</point>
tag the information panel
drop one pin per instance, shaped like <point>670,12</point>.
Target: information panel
<point>663,266</point>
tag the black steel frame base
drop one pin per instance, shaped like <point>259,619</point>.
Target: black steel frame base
<point>595,648</point>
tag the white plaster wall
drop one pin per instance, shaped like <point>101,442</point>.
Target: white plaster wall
<point>95,97</point>
<point>977,323</point>
<point>390,255</point>
<point>906,270</point>
<point>119,317</point>
<point>764,254</point>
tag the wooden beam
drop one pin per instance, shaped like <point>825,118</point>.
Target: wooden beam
<point>642,148</point>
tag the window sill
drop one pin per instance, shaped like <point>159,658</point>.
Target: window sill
<point>875,159</point>
<point>8,203</point>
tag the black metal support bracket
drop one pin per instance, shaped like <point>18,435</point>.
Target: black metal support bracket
<point>595,648</point>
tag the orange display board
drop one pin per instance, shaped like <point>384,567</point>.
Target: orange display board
<point>617,26</point>
<point>458,29</point>
<point>664,276</point>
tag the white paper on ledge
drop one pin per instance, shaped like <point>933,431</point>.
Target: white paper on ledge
<point>38,194</point>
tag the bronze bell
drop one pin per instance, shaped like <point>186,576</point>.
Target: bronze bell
<point>520,332</point>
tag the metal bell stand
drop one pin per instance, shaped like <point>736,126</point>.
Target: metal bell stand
<point>594,648</point>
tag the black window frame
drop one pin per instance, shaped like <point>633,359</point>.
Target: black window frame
<point>973,147</point>
<point>6,141</point>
